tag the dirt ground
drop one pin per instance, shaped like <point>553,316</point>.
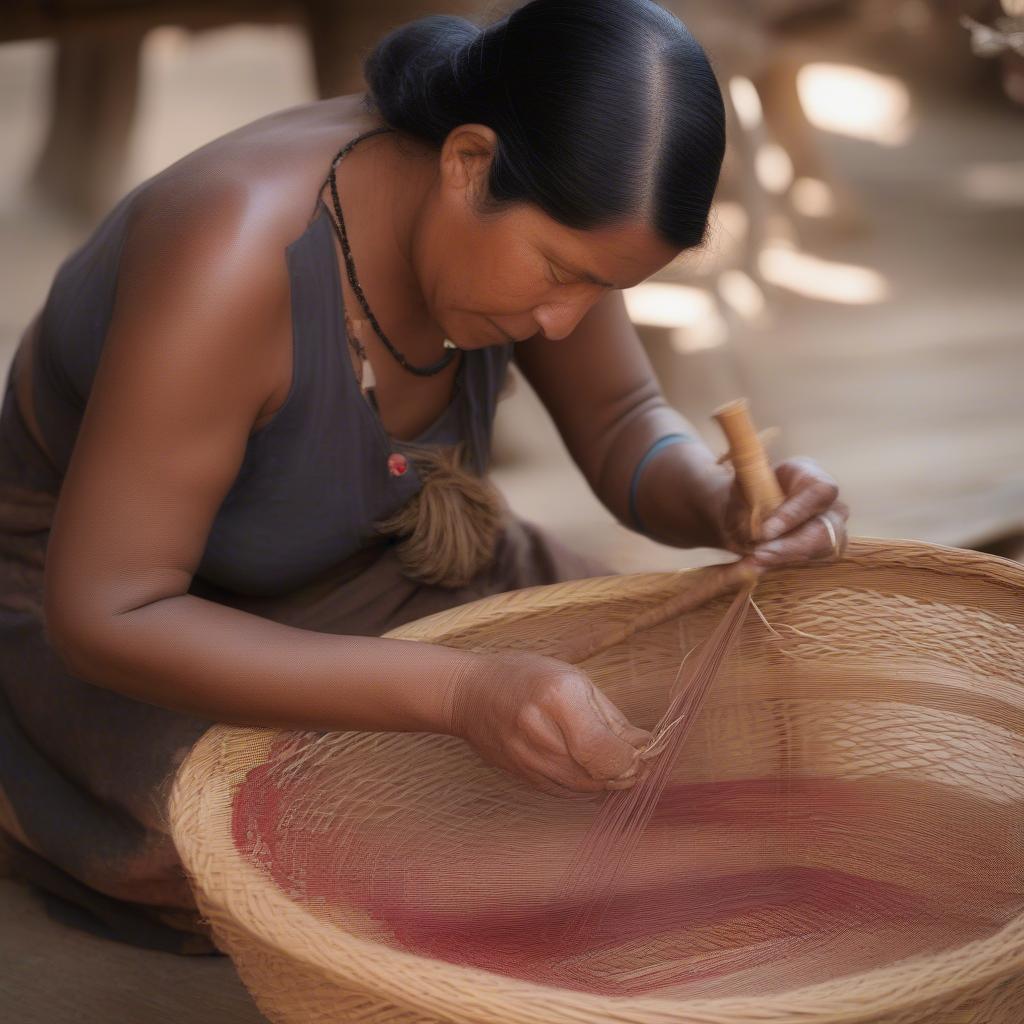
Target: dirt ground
<point>910,395</point>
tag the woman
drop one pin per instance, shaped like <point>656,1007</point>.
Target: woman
<point>250,492</point>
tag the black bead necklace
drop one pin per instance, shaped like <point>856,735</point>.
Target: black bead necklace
<point>338,223</point>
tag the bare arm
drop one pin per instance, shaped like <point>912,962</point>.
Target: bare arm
<point>187,367</point>
<point>602,392</point>
<point>189,361</point>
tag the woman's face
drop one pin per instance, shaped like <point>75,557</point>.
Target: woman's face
<point>496,277</point>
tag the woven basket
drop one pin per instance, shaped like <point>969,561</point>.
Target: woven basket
<point>908,611</point>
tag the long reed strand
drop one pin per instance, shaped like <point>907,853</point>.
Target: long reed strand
<point>590,881</point>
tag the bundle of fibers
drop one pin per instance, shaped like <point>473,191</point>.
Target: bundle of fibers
<point>839,840</point>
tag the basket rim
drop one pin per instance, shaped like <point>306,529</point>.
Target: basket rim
<point>429,985</point>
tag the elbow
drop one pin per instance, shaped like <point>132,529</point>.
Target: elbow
<point>87,622</point>
<point>83,617</point>
<point>99,642</point>
<point>79,627</point>
<point>73,638</point>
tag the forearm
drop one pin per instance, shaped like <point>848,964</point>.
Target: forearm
<point>680,489</point>
<point>214,661</point>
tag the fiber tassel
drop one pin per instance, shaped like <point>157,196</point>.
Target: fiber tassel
<point>369,378</point>
<point>448,531</point>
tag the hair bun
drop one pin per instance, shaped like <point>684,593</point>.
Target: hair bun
<point>415,68</point>
<point>602,109</point>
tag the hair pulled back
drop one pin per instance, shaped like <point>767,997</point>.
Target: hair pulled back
<point>603,109</point>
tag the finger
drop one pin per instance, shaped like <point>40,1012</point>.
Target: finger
<point>560,771</point>
<point>638,738</point>
<point>616,785</point>
<point>810,542</point>
<point>546,738</point>
<point>737,524</point>
<point>595,745</point>
<point>619,723</point>
<point>640,775</point>
<point>809,491</point>
<point>541,782</point>
<point>545,785</point>
<point>602,754</point>
<point>839,514</point>
<point>536,723</point>
<point>834,521</point>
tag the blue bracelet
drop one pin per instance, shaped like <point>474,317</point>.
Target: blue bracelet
<point>662,442</point>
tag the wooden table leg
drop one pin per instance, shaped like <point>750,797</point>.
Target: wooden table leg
<point>95,89</point>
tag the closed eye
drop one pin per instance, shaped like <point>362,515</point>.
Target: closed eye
<point>587,279</point>
<point>553,277</point>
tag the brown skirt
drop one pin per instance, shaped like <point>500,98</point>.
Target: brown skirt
<point>85,772</point>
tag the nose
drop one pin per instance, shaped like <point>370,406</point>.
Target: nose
<point>557,320</point>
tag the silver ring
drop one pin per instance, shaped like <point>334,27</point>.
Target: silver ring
<point>832,536</point>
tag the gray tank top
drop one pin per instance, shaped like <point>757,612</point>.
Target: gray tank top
<point>314,478</point>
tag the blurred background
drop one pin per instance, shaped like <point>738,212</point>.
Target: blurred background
<point>863,286</point>
<point>864,283</point>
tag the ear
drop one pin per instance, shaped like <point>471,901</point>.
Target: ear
<point>466,157</point>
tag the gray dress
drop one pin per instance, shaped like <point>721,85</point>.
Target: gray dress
<point>84,771</point>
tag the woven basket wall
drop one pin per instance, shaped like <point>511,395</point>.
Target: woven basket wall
<point>929,645</point>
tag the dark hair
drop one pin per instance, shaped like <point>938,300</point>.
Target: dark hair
<point>603,109</point>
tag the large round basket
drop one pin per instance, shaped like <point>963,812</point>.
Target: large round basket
<point>851,794</point>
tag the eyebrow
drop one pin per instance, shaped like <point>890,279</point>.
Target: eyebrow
<point>592,278</point>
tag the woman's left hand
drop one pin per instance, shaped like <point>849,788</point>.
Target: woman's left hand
<point>795,531</point>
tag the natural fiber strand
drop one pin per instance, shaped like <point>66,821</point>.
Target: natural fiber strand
<point>448,530</point>
<point>615,833</point>
<point>838,840</point>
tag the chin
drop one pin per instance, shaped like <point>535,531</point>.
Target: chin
<point>469,333</point>
<point>466,342</point>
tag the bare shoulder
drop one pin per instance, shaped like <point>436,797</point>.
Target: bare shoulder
<point>249,193</point>
<point>207,239</point>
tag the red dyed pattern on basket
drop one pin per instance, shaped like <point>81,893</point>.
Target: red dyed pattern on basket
<point>700,922</point>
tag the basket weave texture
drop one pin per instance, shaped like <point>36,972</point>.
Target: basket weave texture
<point>896,671</point>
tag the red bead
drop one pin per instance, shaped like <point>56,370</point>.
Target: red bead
<point>397,464</point>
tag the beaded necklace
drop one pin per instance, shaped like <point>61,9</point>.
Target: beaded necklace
<point>368,380</point>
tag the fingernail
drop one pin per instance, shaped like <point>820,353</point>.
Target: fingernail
<point>771,528</point>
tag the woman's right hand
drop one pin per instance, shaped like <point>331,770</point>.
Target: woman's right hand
<point>544,720</point>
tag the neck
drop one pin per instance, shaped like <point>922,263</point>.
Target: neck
<point>393,179</point>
